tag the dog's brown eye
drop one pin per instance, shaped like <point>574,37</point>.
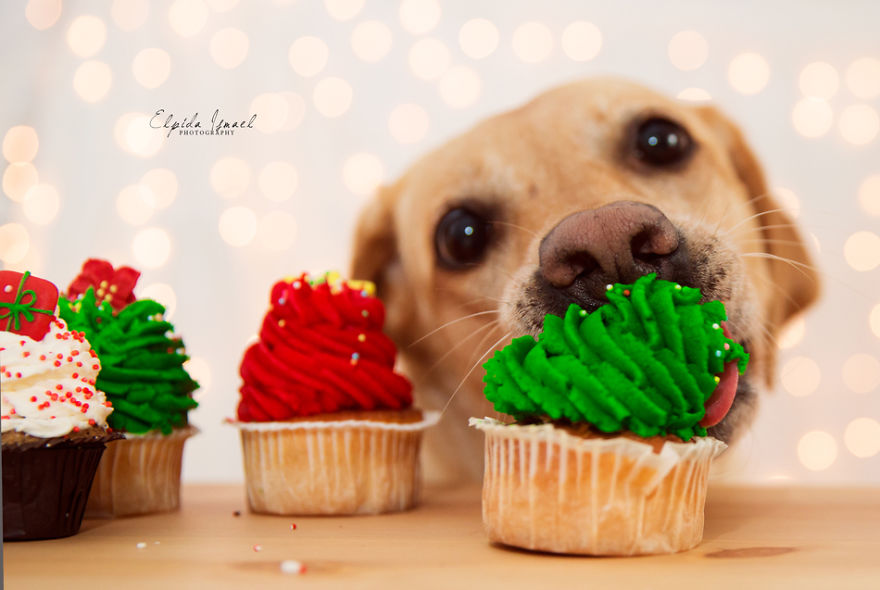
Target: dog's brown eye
<point>461,238</point>
<point>661,142</point>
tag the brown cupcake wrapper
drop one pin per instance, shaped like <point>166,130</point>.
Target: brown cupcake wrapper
<point>45,489</point>
<point>545,489</point>
<point>139,475</point>
<point>342,467</point>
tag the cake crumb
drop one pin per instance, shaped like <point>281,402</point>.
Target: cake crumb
<point>141,545</point>
<point>292,566</point>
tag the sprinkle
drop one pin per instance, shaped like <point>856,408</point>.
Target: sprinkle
<point>76,428</point>
<point>59,387</point>
<point>364,293</point>
<point>717,353</point>
<point>583,313</point>
<point>96,367</point>
<point>257,548</point>
<point>717,379</point>
<point>365,313</point>
<point>59,356</point>
<point>297,284</point>
<point>75,375</point>
<point>26,354</point>
<point>141,545</point>
<point>626,292</point>
<point>21,342</point>
<point>726,346</point>
<point>281,323</point>
<point>237,513</point>
<point>92,422</point>
<point>291,566</point>
<point>293,526</point>
<point>354,358</point>
<point>608,287</point>
<point>42,357</point>
<point>33,398</point>
<point>57,363</point>
<point>282,301</point>
<point>362,337</point>
<point>18,375</point>
<point>716,326</point>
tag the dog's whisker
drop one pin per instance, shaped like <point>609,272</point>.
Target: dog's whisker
<point>755,216</point>
<point>772,241</point>
<point>800,266</point>
<point>462,342</point>
<point>474,366</point>
<point>452,322</point>
<point>532,233</point>
<point>778,288</point>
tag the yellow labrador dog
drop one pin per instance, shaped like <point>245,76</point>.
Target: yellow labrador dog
<point>596,182</point>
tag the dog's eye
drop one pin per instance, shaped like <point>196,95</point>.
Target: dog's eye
<point>461,238</point>
<point>661,142</point>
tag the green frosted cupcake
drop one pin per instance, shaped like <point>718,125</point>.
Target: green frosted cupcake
<point>143,376</point>
<point>608,452</point>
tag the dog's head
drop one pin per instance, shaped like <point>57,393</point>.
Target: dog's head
<point>592,183</point>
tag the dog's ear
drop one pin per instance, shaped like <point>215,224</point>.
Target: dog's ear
<point>375,241</point>
<point>795,281</point>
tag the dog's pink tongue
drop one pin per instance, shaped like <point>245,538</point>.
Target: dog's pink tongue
<point>721,399</point>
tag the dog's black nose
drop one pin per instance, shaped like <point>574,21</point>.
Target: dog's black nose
<point>616,243</point>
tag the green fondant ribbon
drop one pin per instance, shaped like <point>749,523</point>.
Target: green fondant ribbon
<point>645,362</point>
<point>17,308</point>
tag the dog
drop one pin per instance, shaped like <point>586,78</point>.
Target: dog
<point>596,182</point>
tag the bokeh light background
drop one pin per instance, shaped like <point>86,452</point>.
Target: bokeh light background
<point>347,93</point>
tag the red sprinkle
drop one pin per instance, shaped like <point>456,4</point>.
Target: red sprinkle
<point>96,367</point>
<point>42,357</point>
<point>79,364</point>
<point>76,352</point>
<point>75,375</point>
<point>59,356</point>
<point>18,375</point>
<point>26,354</point>
<point>76,428</point>
<point>57,363</point>
<point>33,398</point>
<point>92,422</point>
<point>59,387</point>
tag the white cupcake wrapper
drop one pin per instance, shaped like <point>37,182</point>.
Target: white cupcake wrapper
<point>429,418</point>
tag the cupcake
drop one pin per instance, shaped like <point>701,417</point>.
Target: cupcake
<point>327,426</point>
<point>54,419</point>
<point>608,453</point>
<point>142,374</point>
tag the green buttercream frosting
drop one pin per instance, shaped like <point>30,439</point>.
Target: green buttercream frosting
<point>645,362</point>
<point>141,362</point>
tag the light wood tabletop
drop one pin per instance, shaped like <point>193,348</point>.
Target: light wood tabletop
<point>754,538</point>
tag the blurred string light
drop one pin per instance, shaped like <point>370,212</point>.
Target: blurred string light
<point>134,135</point>
<point>296,110</point>
<point>817,450</point>
<point>861,373</point>
<point>863,78</point>
<point>230,177</point>
<point>86,35</point>
<point>874,320</point>
<point>478,38</point>
<point>581,41</point>
<point>858,124</point>
<point>229,47</point>
<point>222,5</point>
<point>92,81</point>
<point>812,117</point>
<point>788,200</point>
<point>408,123</point>
<point>800,376</point>
<point>343,9</point>
<point>42,14</point>
<point>862,251</point>
<point>460,87</point>
<point>332,97</point>
<point>862,437</point>
<point>237,226</point>
<point>362,173</point>
<point>41,204</point>
<point>532,42</point>
<point>151,67</point>
<point>371,40</point>
<point>151,247</point>
<point>278,181</point>
<point>694,95</point>
<point>429,58</point>
<point>163,293</point>
<point>792,334</point>
<point>308,56</point>
<point>162,183</point>
<point>188,17</point>
<point>819,80</point>
<point>20,144</point>
<point>14,242</point>
<point>277,230</point>
<point>18,179</point>
<point>135,204</point>
<point>748,73</point>
<point>199,369</point>
<point>419,16</point>
<point>869,194</point>
<point>130,14</point>
<point>272,111</point>
<point>688,50</point>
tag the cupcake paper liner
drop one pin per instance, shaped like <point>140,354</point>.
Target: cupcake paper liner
<point>344,467</point>
<point>545,489</point>
<point>139,475</point>
<point>45,490</point>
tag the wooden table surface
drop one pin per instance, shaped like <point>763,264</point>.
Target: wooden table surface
<point>754,538</point>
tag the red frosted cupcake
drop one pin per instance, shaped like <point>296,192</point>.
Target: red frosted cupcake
<point>327,426</point>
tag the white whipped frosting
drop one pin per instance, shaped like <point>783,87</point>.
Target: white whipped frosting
<point>48,386</point>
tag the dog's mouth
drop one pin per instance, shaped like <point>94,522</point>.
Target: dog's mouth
<point>721,400</point>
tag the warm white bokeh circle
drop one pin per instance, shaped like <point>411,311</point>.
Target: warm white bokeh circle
<point>688,50</point>
<point>859,124</point>
<point>163,184</point>
<point>343,10</point>
<point>272,110</point>
<point>151,67</point>
<point>42,14</point>
<point>460,87</point>
<point>748,73</point>
<point>229,47</point>
<point>188,17</point>
<point>863,78</point>
<point>20,144</point>
<point>812,117</point>
<point>332,97</point>
<point>18,179</point>
<point>362,173</point>
<point>862,251</point>
<point>41,204</point>
<point>371,40</point>
<point>151,247</point>
<point>862,437</point>
<point>230,177</point>
<point>800,376</point>
<point>408,123</point>
<point>129,14</point>
<point>581,41</point>
<point>238,226</point>
<point>819,80</point>
<point>14,242</point>
<point>135,204</point>
<point>792,334</point>
<point>161,292</point>
<point>478,38</point>
<point>869,194</point>
<point>419,16</point>
<point>278,181</point>
<point>308,56</point>
<point>694,94</point>
<point>817,450</point>
<point>532,42</point>
<point>861,373</point>
<point>92,80</point>
<point>86,35</point>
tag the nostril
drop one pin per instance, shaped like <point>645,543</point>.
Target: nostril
<point>655,242</point>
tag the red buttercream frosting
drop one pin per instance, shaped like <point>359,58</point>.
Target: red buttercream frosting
<point>321,349</point>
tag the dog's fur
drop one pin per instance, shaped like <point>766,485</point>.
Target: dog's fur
<point>564,152</point>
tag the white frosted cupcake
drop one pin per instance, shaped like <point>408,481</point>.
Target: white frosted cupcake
<point>327,426</point>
